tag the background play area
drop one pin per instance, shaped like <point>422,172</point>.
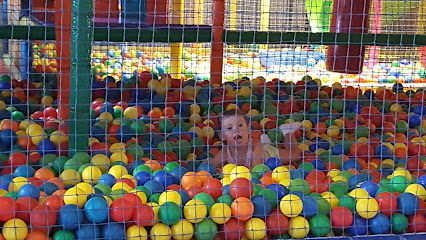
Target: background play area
<point>110,115</point>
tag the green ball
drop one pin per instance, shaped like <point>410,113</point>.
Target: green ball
<point>401,126</point>
<point>138,127</point>
<point>307,166</point>
<point>383,189</point>
<point>300,185</point>
<point>198,143</point>
<point>13,195</point>
<point>315,107</point>
<point>166,146</point>
<point>135,150</point>
<point>258,170</point>
<point>275,135</point>
<point>64,235</point>
<point>170,166</point>
<point>155,198</point>
<point>206,199</point>
<point>104,188</point>
<point>116,194</point>
<point>118,113</point>
<point>144,190</point>
<point>5,78</point>
<point>362,131</point>
<point>399,183</point>
<point>319,225</point>
<point>348,202</point>
<point>82,167</point>
<point>227,199</point>
<point>324,207</point>
<point>339,188</point>
<point>59,163</point>
<point>338,105</point>
<point>169,213</point>
<point>73,163</point>
<point>47,160</point>
<point>271,110</point>
<point>182,149</point>
<point>82,156</point>
<point>256,189</point>
<point>271,196</point>
<point>345,174</point>
<point>166,126</point>
<point>206,230</point>
<point>142,168</point>
<point>217,109</point>
<point>17,115</point>
<point>399,223</point>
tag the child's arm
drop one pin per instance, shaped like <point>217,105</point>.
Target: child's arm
<point>217,161</point>
<point>291,149</point>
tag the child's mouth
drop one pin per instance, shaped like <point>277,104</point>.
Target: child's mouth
<point>238,138</point>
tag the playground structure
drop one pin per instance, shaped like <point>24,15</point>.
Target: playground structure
<point>118,107</point>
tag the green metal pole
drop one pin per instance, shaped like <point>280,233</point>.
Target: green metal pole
<point>80,84</point>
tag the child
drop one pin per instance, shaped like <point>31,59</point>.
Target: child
<point>238,147</point>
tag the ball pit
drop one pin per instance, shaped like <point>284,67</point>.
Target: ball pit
<point>145,174</point>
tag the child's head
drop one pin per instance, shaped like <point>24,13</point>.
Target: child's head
<point>234,128</point>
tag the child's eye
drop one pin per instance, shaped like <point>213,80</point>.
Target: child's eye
<point>229,128</point>
<point>240,125</point>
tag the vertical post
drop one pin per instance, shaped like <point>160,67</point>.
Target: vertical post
<point>63,54</point>
<point>81,46</point>
<point>265,8</point>
<point>198,20</point>
<point>233,14</point>
<point>375,28</point>
<point>421,22</point>
<point>216,63</point>
<point>176,48</point>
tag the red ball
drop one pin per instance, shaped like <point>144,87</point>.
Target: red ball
<point>133,199</point>
<point>387,203</point>
<point>143,215</point>
<point>241,187</point>
<point>316,175</point>
<point>37,115</point>
<point>126,181</point>
<point>276,223</point>
<point>17,159</point>
<point>213,187</point>
<point>341,217</point>
<point>416,223</point>
<point>34,157</point>
<point>232,230</point>
<point>413,163</point>
<point>113,129</point>
<point>173,187</point>
<point>7,209</point>
<point>121,210</point>
<point>50,112</point>
<point>24,206</point>
<point>194,190</point>
<point>54,202</point>
<point>43,217</point>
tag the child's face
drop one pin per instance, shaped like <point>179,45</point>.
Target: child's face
<point>235,130</point>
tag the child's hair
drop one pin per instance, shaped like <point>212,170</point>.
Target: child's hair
<point>232,113</point>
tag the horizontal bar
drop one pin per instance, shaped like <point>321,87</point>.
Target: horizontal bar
<point>203,35</point>
<point>252,37</point>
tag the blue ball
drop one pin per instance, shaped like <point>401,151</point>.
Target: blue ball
<point>262,206</point>
<point>352,163</point>
<point>419,110</point>
<point>124,134</point>
<point>311,85</point>
<point>154,186</point>
<point>4,114</point>
<point>70,217</point>
<point>379,224</point>
<point>48,187</point>
<point>318,164</point>
<point>8,137</point>
<point>273,163</point>
<point>96,209</point>
<point>164,178</point>
<point>113,230</point>
<point>354,180</point>
<point>183,196</point>
<point>297,173</point>
<point>88,231</point>
<point>338,149</point>
<point>225,190</point>
<point>255,181</point>
<point>107,179</point>
<point>370,187</point>
<point>397,87</point>
<point>369,94</point>
<point>279,189</point>
<point>414,120</point>
<point>421,181</point>
<point>136,163</point>
<point>310,206</point>
<point>205,166</point>
<point>142,177</point>
<point>24,171</point>
<point>6,179</point>
<point>358,227</point>
<point>382,151</point>
<point>408,203</point>
<point>29,190</point>
<point>46,146</point>
<point>178,173</point>
<point>107,107</point>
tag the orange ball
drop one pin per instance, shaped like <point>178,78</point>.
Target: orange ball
<point>242,209</point>
<point>153,164</point>
<point>8,124</point>
<point>169,112</point>
<point>191,180</point>
<point>154,114</point>
<point>204,176</point>
<point>320,128</point>
<point>25,142</point>
<point>44,174</point>
<point>36,235</point>
<point>401,153</point>
<point>266,181</point>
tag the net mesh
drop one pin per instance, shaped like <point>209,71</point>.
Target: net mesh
<point>202,119</point>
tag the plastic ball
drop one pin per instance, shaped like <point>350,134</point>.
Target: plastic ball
<point>319,225</point>
<point>91,174</point>
<point>96,209</point>
<point>112,230</point>
<point>241,187</point>
<point>88,231</point>
<point>291,205</point>
<point>169,213</point>
<point>358,227</point>
<point>160,231</point>
<point>195,211</point>
<point>206,229</point>
<point>220,213</point>
<point>408,203</point>
<point>379,224</point>
<point>242,208</point>
<point>182,230</point>
<point>341,217</point>
<point>299,227</point>
<point>240,172</point>
<point>15,229</point>
<point>70,217</point>
<point>416,189</point>
<point>367,207</point>
<point>29,190</point>
<point>75,195</point>
<point>255,229</point>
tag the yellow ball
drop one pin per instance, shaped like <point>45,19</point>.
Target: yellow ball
<point>34,130</point>
<point>118,171</point>
<point>291,205</point>
<point>121,186</point>
<point>47,101</point>
<point>140,194</point>
<point>195,118</point>
<point>231,106</point>
<point>330,198</point>
<point>402,172</point>
<point>155,208</point>
<point>340,178</point>
<point>119,157</point>
<point>160,231</point>
<point>136,232</point>
<point>220,213</point>
<point>106,117</point>
<point>255,229</point>
<point>25,124</point>
<point>207,132</point>
<point>118,147</point>
<point>254,112</point>
<point>227,169</point>
<point>285,182</point>
<point>339,123</point>
<point>417,190</point>
<point>298,227</point>
<point>367,207</point>
<point>307,125</point>
<point>2,105</point>
<point>17,183</point>
<point>280,173</point>
<point>153,83</point>
<point>101,161</point>
<point>75,196</point>
<point>396,108</point>
<point>161,89</point>
<point>57,136</point>
<point>170,196</point>
<point>195,211</point>
<point>182,230</point>
<point>333,173</point>
<point>240,172</point>
<point>15,229</point>
<point>91,174</point>
<point>264,121</point>
<point>3,192</point>
<point>225,181</point>
<point>189,91</point>
<point>244,91</point>
<point>194,108</point>
<point>359,193</point>
<point>70,177</point>
<point>362,140</point>
<point>333,131</point>
<point>86,187</point>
